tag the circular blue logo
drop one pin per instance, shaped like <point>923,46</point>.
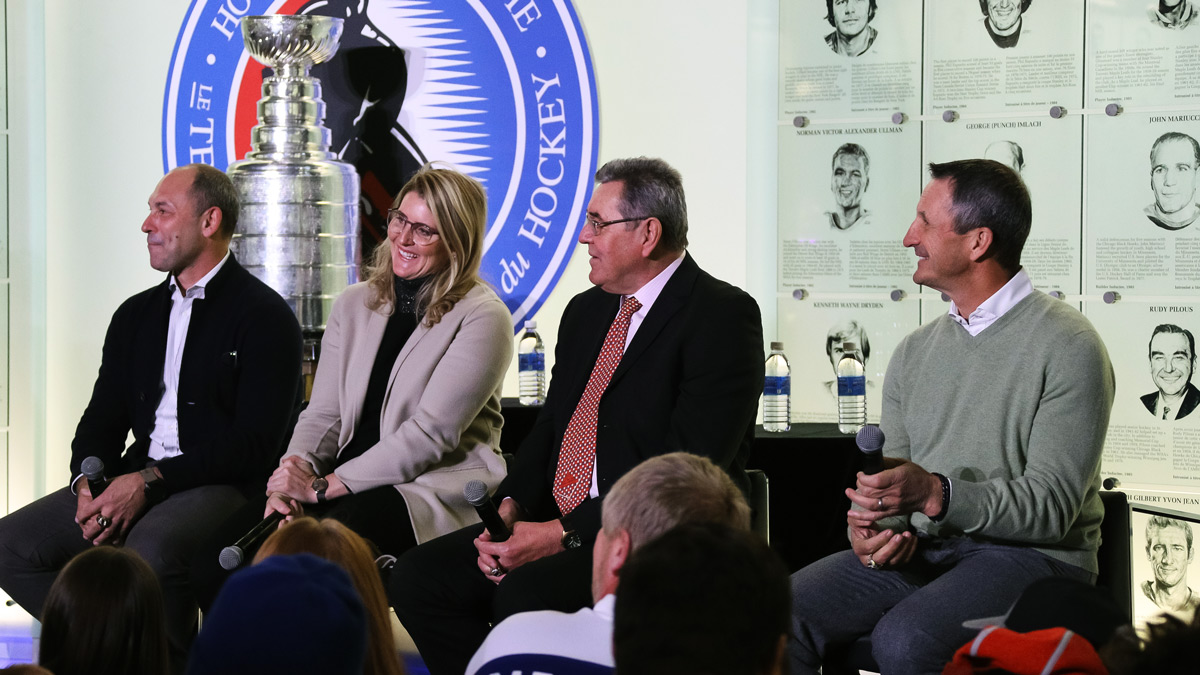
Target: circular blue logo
<point>502,91</point>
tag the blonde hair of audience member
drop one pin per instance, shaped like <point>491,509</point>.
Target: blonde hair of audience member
<point>669,490</point>
<point>104,614</point>
<point>333,541</point>
<point>459,205</point>
<point>654,497</point>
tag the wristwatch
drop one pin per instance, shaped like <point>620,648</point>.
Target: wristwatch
<point>571,539</point>
<point>319,486</point>
<point>155,489</point>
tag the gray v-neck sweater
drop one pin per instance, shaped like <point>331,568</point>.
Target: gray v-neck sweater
<point>1015,417</point>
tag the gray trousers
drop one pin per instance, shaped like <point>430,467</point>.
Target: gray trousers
<point>39,539</point>
<point>914,614</point>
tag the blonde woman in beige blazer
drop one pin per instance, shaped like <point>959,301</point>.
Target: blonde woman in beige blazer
<point>441,414</point>
<point>405,407</point>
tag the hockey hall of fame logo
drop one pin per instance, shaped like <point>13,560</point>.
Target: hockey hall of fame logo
<point>500,89</point>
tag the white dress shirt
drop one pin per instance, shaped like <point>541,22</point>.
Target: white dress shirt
<point>164,437</point>
<point>988,312</point>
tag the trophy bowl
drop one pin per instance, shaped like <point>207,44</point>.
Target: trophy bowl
<point>291,39</point>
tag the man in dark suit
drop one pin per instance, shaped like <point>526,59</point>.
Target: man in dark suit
<point>1172,360</point>
<point>204,371</point>
<point>679,368</point>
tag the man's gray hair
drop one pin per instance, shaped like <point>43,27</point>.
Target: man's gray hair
<point>652,188</point>
<point>669,490</point>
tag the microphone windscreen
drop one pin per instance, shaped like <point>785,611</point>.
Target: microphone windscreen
<point>231,557</point>
<point>92,468</point>
<point>475,492</point>
<point>869,438</point>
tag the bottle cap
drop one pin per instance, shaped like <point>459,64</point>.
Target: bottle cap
<point>776,346</point>
<point>530,325</point>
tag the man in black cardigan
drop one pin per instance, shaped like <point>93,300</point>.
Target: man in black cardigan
<point>688,374</point>
<point>204,371</point>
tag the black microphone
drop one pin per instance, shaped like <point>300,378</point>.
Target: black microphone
<point>870,444</point>
<point>476,494</point>
<point>1112,483</point>
<point>93,471</point>
<point>232,556</point>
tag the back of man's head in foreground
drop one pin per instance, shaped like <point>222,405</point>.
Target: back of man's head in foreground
<point>669,490</point>
<point>655,496</point>
<point>702,598</point>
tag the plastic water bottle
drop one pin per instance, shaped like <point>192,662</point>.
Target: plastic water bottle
<point>777,391</point>
<point>852,390</point>
<point>531,366</point>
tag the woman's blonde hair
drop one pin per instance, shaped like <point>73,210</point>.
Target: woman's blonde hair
<point>333,541</point>
<point>459,204</point>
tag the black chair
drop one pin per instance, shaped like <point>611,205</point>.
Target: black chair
<point>1115,576</point>
<point>760,510</point>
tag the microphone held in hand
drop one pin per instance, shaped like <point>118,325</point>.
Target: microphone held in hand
<point>870,443</point>
<point>476,494</point>
<point>232,557</point>
<point>93,470</point>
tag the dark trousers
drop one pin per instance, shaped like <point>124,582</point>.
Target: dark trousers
<point>39,539</point>
<point>914,614</point>
<point>379,515</point>
<point>448,605</point>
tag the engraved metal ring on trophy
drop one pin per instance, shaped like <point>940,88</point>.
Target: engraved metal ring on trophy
<point>298,229</point>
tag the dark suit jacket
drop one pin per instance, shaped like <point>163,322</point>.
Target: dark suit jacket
<point>690,380</point>
<point>1191,399</point>
<point>239,384</point>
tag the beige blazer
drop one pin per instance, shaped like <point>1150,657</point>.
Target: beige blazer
<point>440,425</point>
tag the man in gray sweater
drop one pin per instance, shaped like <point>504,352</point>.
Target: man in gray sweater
<point>994,417</point>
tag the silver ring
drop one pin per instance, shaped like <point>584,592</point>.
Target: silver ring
<point>871,563</point>
<point>102,521</point>
<point>495,571</point>
<point>880,504</point>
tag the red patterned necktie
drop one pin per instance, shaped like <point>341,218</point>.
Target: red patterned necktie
<point>573,476</point>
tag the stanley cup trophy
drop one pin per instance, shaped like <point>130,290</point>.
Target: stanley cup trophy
<point>299,222</point>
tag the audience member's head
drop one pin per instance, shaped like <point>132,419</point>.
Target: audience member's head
<point>105,607</point>
<point>655,496</point>
<point>1062,602</point>
<point>702,598</point>
<point>1168,647</point>
<point>1057,624</point>
<point>295,614</point>
<point>333,541</point>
